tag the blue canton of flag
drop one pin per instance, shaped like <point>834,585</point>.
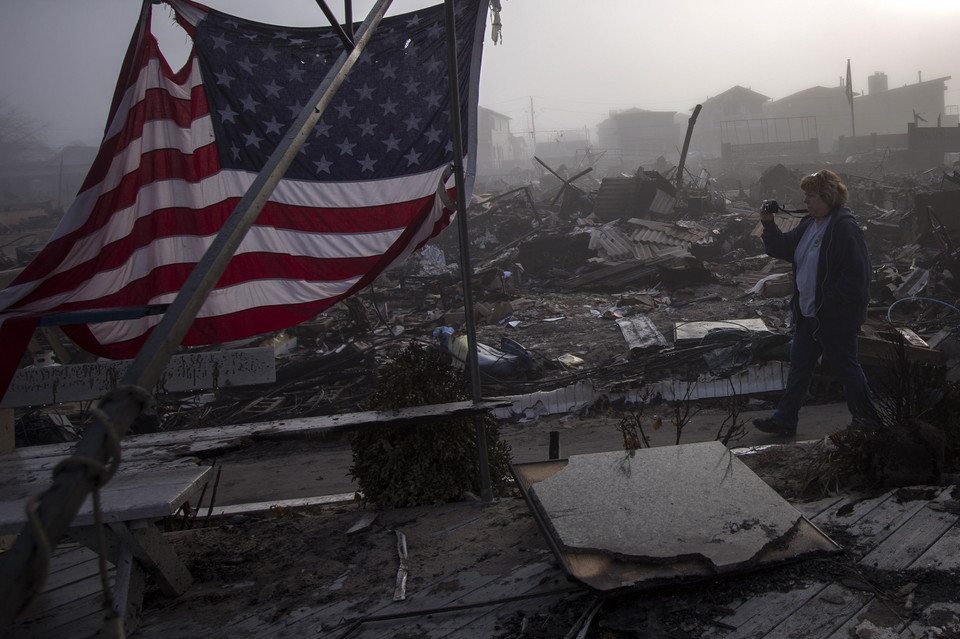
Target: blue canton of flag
<point>390,117</point>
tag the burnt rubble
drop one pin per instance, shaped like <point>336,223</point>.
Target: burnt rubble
<point>588,279</point>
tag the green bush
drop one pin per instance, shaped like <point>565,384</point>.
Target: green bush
<point>398,467</point>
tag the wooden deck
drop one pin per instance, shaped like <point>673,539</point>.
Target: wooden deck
<point>916,529</point>
<point>910,529</point>
<point>72,601</point>
<point>131,503</point>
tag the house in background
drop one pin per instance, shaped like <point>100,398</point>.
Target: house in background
<point>883,110</point>
<point>817,113</point>
<point>494,146</point>
<point>636,137</point>
<point>817,121</point>
<point>735,105</point>
<point>500,154</point>
<point>911,122</point>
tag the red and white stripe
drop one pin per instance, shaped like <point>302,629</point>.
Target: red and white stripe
<point>157,196</point>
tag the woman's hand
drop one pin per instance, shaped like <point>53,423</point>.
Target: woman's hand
<point>764,215</point>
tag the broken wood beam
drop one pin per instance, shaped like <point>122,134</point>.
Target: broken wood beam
<point>686,145</point>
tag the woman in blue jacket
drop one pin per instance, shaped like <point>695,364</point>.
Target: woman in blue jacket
<point>831,274</point>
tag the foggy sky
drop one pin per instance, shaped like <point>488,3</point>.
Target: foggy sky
<point>574,61</point>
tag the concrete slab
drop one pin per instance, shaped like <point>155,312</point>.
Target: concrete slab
<point>665,504</point>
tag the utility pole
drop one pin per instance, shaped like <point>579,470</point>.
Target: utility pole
<point>533,127</point>
<point>849,92</point>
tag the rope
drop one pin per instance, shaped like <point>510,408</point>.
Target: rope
<point>100,474</point>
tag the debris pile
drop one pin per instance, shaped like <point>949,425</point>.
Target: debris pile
<point>588,278</point>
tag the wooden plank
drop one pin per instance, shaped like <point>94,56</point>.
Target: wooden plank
<point>304,620</point>
<point>438,593</point>
<point>157,557</point>
<point>326,621</point>
<point>850,510</point>
<point>128,587</point>
<point>80,563</point>
<point>943,554</point>
<point>486,621</point>
<point>822,615</point>
<point>184,372</point>
<point>904,546</point>
<point>148,451</point>
<point>490,623</point>
<point>266,506</point>
<point>939,619</point>
<point>876,608</point>
<point>22,476</point>
<point>155,449</point>
<point>72,610</point>
<point>461,624</point>
<point>813,509</point>
<point>522,580</point>
<point>881,522</point>
<point>759,614</point>
<point>126,497</point>
<point>203,441</point>
<point>82,621</point>
<point>65,594</point>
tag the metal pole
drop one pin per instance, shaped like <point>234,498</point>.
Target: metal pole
<point>348,17</point>
<point>466,270</point>
<point>21,566</point>
<point>344,38</point>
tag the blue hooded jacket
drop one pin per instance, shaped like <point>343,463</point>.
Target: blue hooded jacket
<point>843,269</point>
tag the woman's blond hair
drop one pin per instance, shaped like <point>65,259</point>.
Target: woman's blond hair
<point>828,185</point>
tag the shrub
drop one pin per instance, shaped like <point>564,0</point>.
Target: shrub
<point>423,464</point>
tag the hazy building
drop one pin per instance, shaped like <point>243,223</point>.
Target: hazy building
<point>733,106</point>
<point>817,121</point>
<point>821,113</point>
<point>494,145</point>
<point>500,154</point>
<point>52,182</point>
<point>566,151</point>
<point>639,137</point>
<point>884,110</point>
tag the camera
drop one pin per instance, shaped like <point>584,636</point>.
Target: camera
<point>770,206</point>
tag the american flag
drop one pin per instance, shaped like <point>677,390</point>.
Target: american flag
<point>181,148</point>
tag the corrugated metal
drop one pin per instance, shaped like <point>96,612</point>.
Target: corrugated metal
<point>624,197</point>
<point>663,203</point>
<point>610,242</point>
<point>784,222</point>
<point>772,376</point>
<point>657,237</point>
<point>678,234</point>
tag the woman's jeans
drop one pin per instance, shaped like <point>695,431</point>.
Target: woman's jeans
<point>841,353</point>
